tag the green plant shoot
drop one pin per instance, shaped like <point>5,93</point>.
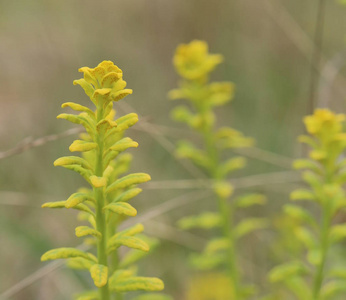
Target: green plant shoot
<point>194,64</point>
<point>315,277</point>
<point>106,203</point>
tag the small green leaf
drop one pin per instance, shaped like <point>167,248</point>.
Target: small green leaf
<point>99,273</point>
<point>216,245</point>
<point>333,288</point>
<point>302,194</point>
<point>306,237</point>
<point>233,164</point>
<point>186,149</point>
<point>78,107</point>
<point>80,119</point>
<point>338,233</point>
<point>77,198</point>
<point>306,164</point>
<point>312,179</point>
<point>120,274</point>
<point>207,262</point>
<point>126,121</point>
<point>61,253</point>
<point>137,283</point>
<point>127,195</point>
<point>207,220</point>
<point>82,146</point>
<point>127,181</point>
<point>248,200</point>
<point>138,228</point>
<point>249,225</point>
<point>124,144</point>
<point>300,214</point>
<point>286,271</point>
<point>62,204</point>
<point>87,87</point>
<point>72,160</point>
<point>128,241</point>
<point>80,170</point>
<point>134,255</point>
<point>338,272</point>
<point>79,263</point>
<point>82,231</point>
<point>121,208</point>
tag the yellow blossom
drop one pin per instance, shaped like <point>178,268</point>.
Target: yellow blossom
<point>324,120</point>
<point>103,83</point>
<point>192,61</point>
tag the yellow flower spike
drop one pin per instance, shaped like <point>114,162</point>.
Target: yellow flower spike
<point>193,61</point>
<point>194,64</point>
<point>325,180</point>
<point>102,164</point>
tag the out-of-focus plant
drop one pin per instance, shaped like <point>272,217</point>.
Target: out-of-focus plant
<point>194,64</point>
<point>105,205</point>
<point>315,277</point>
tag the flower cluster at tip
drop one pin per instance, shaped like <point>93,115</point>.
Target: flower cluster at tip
<point>317,275</point>
<point>105,203</point>
<point>193,61</point>
<point>194,64</point>
<point>103,83</point>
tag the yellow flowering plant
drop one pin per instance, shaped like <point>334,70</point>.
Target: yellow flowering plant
<point>105,204</point>
<point>316,277</point>
<point>194,64</point>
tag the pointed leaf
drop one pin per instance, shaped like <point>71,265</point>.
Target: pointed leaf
<point>82,231</point>
<point>249,200</point>
<point>78,119</point>
<point>300,214</point>
<point>124,144</point>
<point>72,160</point>
<point>78,107</point>
<point>338,232</point>
<point>122,208</point>
<point>98,181</point>
<point>205,220</point>
<point>79,263</point>
<point>99,273</point>
<point>127,195</point>
<point>302,194</point>
<point>82,146</point>
<point>128,241</point>
<point>60,253</point>
<point>285,271</point>
<point>138,283</point>
<point>127,181</point>
<point>62,204</point>
<point>77,198</point>
<point>87,87</point>
<point>249,225</point>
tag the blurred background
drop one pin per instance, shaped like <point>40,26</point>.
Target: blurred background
<point>267,45</point>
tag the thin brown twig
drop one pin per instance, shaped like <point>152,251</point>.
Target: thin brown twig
<point>29,142</point>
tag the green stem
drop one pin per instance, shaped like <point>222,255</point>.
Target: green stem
<point>225,210</point>
<point>100,216</point>
<point>318,280</point>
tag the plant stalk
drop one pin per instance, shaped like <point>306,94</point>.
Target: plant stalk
<point>225,210</point>
<point>100,216</point>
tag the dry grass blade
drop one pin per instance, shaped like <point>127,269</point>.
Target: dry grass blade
<point>29,143</point>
